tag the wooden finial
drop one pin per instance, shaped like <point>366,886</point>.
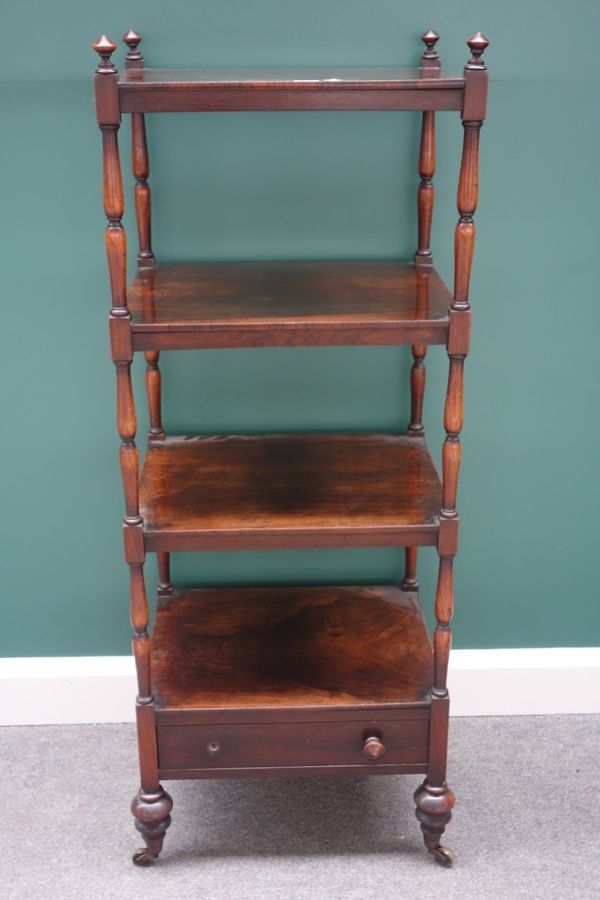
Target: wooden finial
<point>134,58</point>
<point>477,45</point>
<point>430,58</point>
<point>104,47</point>
<point>430,39</point>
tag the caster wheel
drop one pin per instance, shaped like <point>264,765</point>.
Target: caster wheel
<point>443,856</point>
<point>143,857</point>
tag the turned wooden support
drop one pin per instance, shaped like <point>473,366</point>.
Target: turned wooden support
<point>423,256</point>
<point>143,205</point>
<point>108,115</point>
<point>434,798</point>
<point>153,380</point>
<point>140,162</point>
<point>143,211</point>
<point>152,805</point>
<point>126,425</point>
<point>426,193</point>
<point>141,638</point>
<point>418,374</point>
<point>109,118</point>
<point>464,240</point>
<point>410,582</point>
<point>164,575</point>
<point>418,377</point>
<point>425,198</point>
<point>468,186</point>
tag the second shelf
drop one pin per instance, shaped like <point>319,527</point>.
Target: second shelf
<point>293,303</point>
<point>284,491</point>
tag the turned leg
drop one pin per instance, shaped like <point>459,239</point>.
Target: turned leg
<point>434,811</point>
<point>152,818</point>
<point>152,805</point>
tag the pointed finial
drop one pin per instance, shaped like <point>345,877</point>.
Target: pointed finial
<point>477,45</point>
<point>104,47</point>
<point>430,58</point>
<point>134,58</point>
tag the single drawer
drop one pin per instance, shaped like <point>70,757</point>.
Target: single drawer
<point>293,745</point>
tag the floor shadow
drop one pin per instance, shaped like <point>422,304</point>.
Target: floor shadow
<point>297,817</point>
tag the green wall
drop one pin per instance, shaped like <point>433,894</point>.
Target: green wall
<point>306,184</point>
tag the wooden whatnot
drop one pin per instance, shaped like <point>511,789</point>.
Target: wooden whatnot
<point>289,680</point>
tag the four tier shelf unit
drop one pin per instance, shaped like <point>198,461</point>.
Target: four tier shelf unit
<point>289,680</point>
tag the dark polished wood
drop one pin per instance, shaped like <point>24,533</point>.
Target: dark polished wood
<point>431,63</point>
<point>143,200</point>
<point>315,490</point>
<point>337,679</point>
<point>303,79</point>
<point>232,751</point>
<point>152,805</point>
<point>164,574</point>
<point>289,681</point>
<point>435,799</point>
<point>277,647</point>
<point>294,303</point>
<point>198,90</point>
<point>410,582</point>
<point>153,380</point>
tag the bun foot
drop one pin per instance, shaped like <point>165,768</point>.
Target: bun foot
<point>434,811</point>
<point>152,818</point>
<point>442,856</point>
<point>143,857</point>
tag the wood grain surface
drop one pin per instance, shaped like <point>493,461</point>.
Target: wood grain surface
<point>301,490</point>
<point>284,647</point>
<point>195,90</point>
<point>291,303</point>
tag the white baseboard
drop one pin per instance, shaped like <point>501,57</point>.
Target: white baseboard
<point>97,689</point>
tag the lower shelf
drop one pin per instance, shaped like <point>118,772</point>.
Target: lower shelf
<point>291,680</point>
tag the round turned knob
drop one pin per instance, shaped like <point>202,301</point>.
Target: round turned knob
<point>213,748</point>
<point>373,748</point>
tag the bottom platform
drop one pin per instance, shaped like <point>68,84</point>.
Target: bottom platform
<point>291,681</point>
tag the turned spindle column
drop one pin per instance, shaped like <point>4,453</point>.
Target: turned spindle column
<point>143,209</point>
<point>430,65</point>
<point>434,798</point>
<point>423,261</point>
<point>152,805</point>
<point>140,163</point>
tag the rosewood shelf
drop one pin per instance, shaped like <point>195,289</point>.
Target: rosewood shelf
<point>273,648</point>
<point>278,491</point>
<point>289,680</point>
<point>317,665</point>
<point>144,90</point>
<point>295,303</point>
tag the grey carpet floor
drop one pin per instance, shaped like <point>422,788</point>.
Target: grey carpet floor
<point>527,822</point>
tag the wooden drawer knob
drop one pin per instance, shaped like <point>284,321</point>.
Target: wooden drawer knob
<point>373,748</point>
<point>213,748</point>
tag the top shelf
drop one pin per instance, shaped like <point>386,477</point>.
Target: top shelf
<point>197,90</point>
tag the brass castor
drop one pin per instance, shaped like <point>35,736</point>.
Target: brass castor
<point>442,856</point>
<point>143,857</point>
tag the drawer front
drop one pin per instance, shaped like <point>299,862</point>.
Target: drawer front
<point>292,745</point>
